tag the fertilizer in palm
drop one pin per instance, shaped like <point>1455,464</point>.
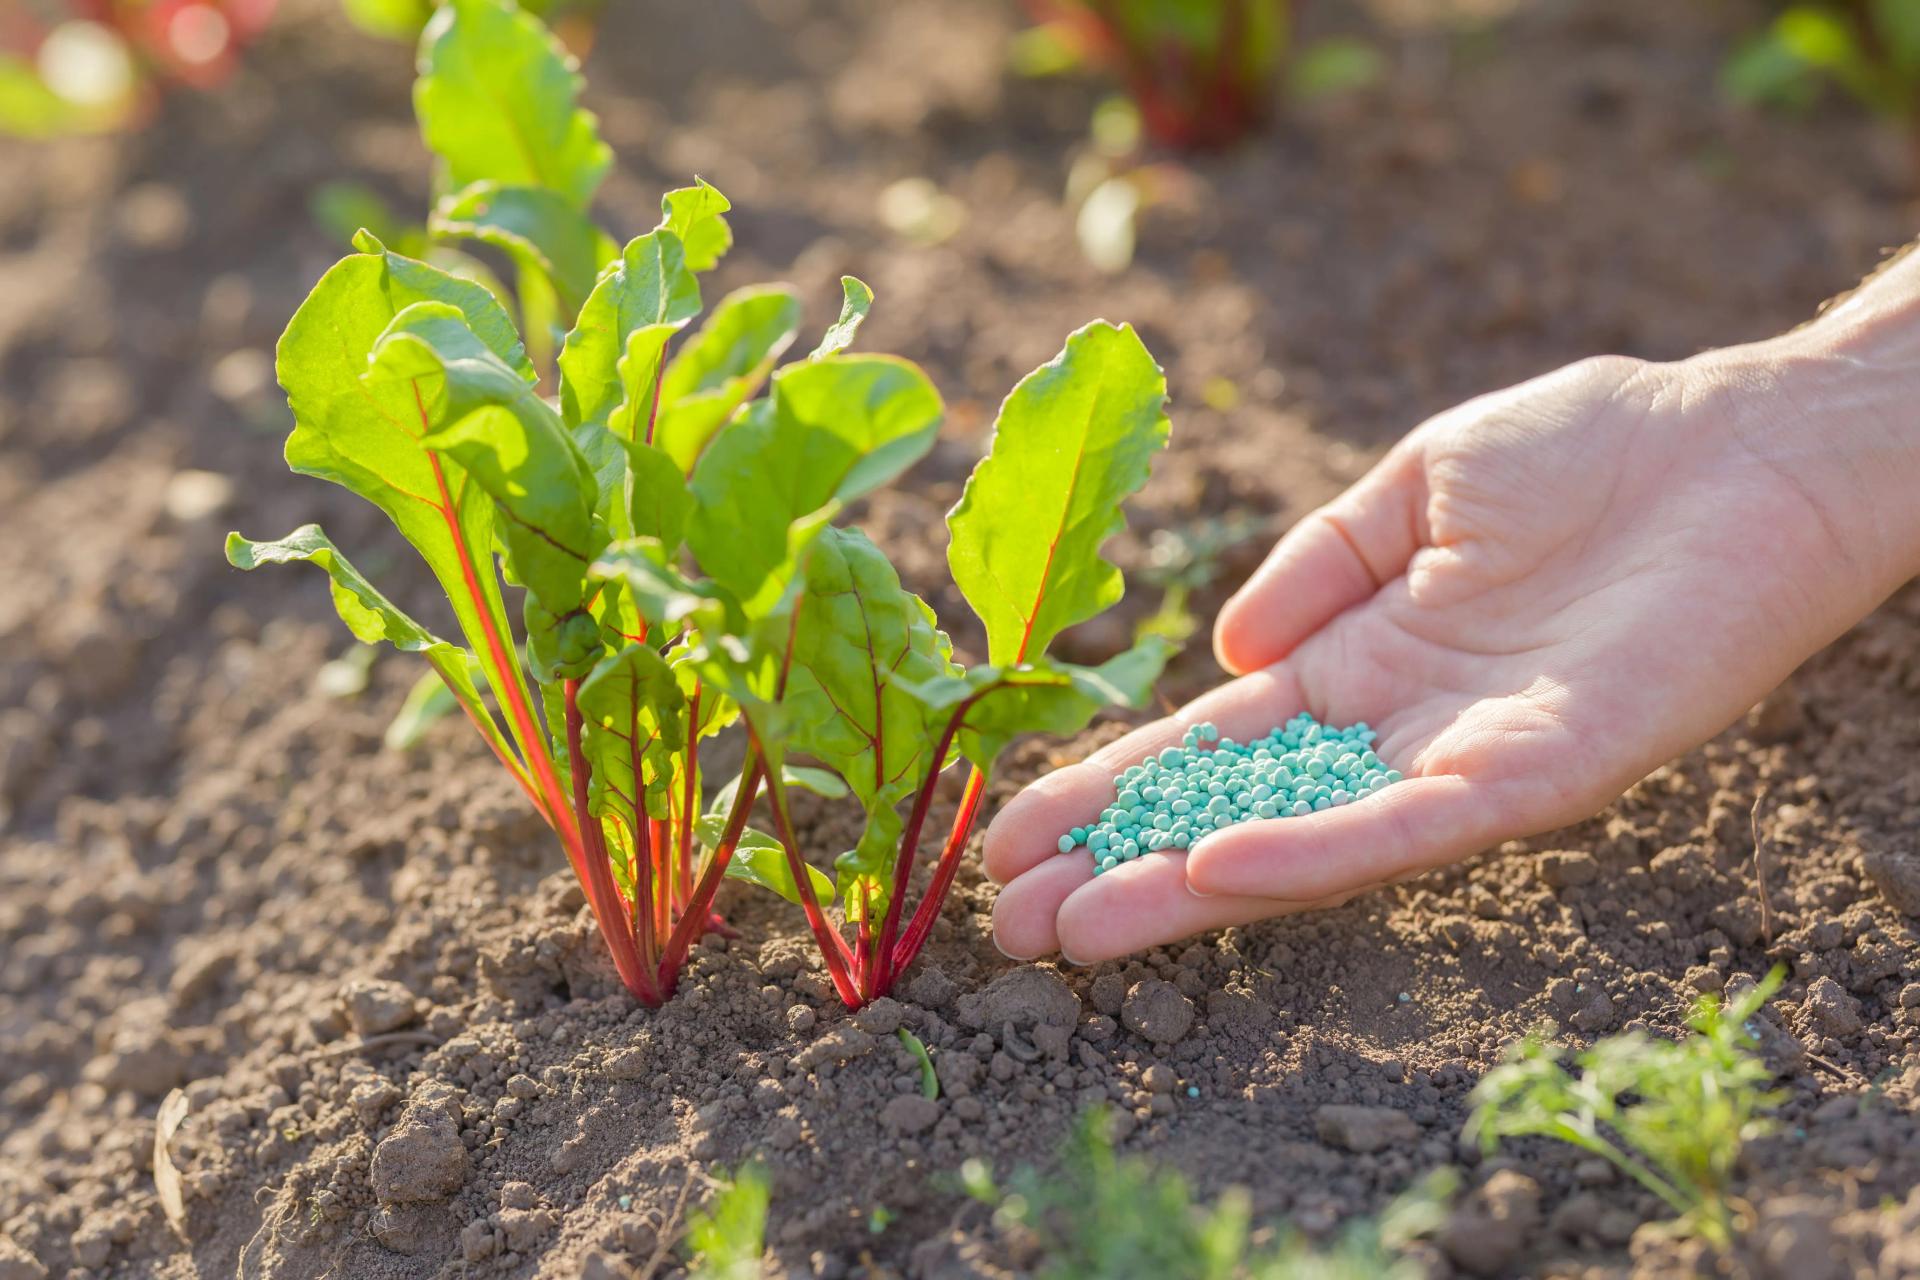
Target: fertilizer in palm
<point>1171,799</point>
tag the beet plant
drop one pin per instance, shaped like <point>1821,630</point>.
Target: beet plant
<point>664,522</point>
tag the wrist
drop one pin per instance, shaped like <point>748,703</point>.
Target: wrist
<point>1835,407</point>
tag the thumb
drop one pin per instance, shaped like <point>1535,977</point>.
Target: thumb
<point>1335,558</point>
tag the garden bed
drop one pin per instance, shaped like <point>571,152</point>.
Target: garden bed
<point>211,877</point>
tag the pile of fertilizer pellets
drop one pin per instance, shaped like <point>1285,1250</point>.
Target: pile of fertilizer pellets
<point>1171,800</point>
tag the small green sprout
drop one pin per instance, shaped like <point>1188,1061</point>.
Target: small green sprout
<point>929,1081</point>
<point>728,1237</point>
<point>1102,1216</point>
<point>1670,1115</point>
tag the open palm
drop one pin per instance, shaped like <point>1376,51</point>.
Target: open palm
<point>1535,599</point>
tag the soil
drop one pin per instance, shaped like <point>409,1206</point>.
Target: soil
<point>398,1051</point>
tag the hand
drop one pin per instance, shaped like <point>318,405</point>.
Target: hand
<point>1535,598</point>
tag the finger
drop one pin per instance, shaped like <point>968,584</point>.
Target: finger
<point>1145,903</point>
<point>1024,911</point>
<point>1027,831</point>
<point>1408,827</point>
<point>1335,558</point>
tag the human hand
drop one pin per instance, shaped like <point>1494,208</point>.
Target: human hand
<point>1535,599</point>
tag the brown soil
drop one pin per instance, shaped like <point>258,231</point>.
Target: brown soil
<point>212,877</point>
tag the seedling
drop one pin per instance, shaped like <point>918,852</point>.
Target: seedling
<point>727,1239</point>
<point>667,523</point>
<point>1202,73</point>
<point>1102,1216</point>
<point>1672,1116</point>
<point>1183,561</point>
<point>1870,48</point>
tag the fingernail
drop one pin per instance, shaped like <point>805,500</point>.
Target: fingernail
<point>1078,964</point>
<point>1008,954</point>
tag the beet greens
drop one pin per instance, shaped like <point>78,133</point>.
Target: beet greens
<point>665,522</point>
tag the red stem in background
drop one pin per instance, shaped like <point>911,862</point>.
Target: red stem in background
<point>943,874</point>
<point>603,895</point>
<point>645,884</point>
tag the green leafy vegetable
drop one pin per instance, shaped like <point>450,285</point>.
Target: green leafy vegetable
<point>497,99</point>
<point>665,527</point>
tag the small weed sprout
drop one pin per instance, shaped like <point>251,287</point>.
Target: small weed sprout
<point>726,1239</point>
<point>1102,1216</point>
<point>1671,1115</point>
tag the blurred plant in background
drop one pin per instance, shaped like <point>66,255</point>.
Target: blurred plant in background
<point>88,66</point>
<point>1201,73</point>
<point>571,20</point>
<point>1870,48</point>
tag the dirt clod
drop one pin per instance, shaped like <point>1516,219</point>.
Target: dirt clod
<point>422,1159</point>
<point>374,1006</point>
<point>1486,1232</point>
<point>910,1113</point>
<point>1829,1010</point>
<point>1029,996</point>
<point>1156,1010</point>
<point>1364,1129</point>
<point>1896,874</point>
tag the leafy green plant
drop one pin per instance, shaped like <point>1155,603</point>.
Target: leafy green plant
<point>727,1239</point>
<point>1870,48</point>
<point>1202,73</point>
<point>1670,1115</point>
<point>665,520</point>
<point>1101,1216</point>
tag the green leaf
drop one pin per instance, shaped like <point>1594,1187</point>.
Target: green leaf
<point>853,310</point>
<point>634,711</point>
<point>1072,442</point>
<point>760,859</point>
<point>427,703</point>
<point>694,215</point>
<point>367,434</point>
<point>1047,696</point>
<point>372,617</point>
<point>611,363</point>
<point>658,500</point>
<point>537,228</point>
<point>497,101</point>
<point>722,366</point>
<point>389,19</point>
<point>832,431</point>
<point>857,632</point>
<point>663,596</point>
<point>821,782</point>
<point>486,416</point>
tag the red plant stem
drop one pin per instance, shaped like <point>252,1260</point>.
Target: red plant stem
<point>833,948</point>
<point>690,795</point>
<point>645,885</point>
<point>887,970</point>
<point>693,918</point>
<point>506,668</point>
<point>943,874</point>
<point>602,893</point>
<point>661,850</point>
